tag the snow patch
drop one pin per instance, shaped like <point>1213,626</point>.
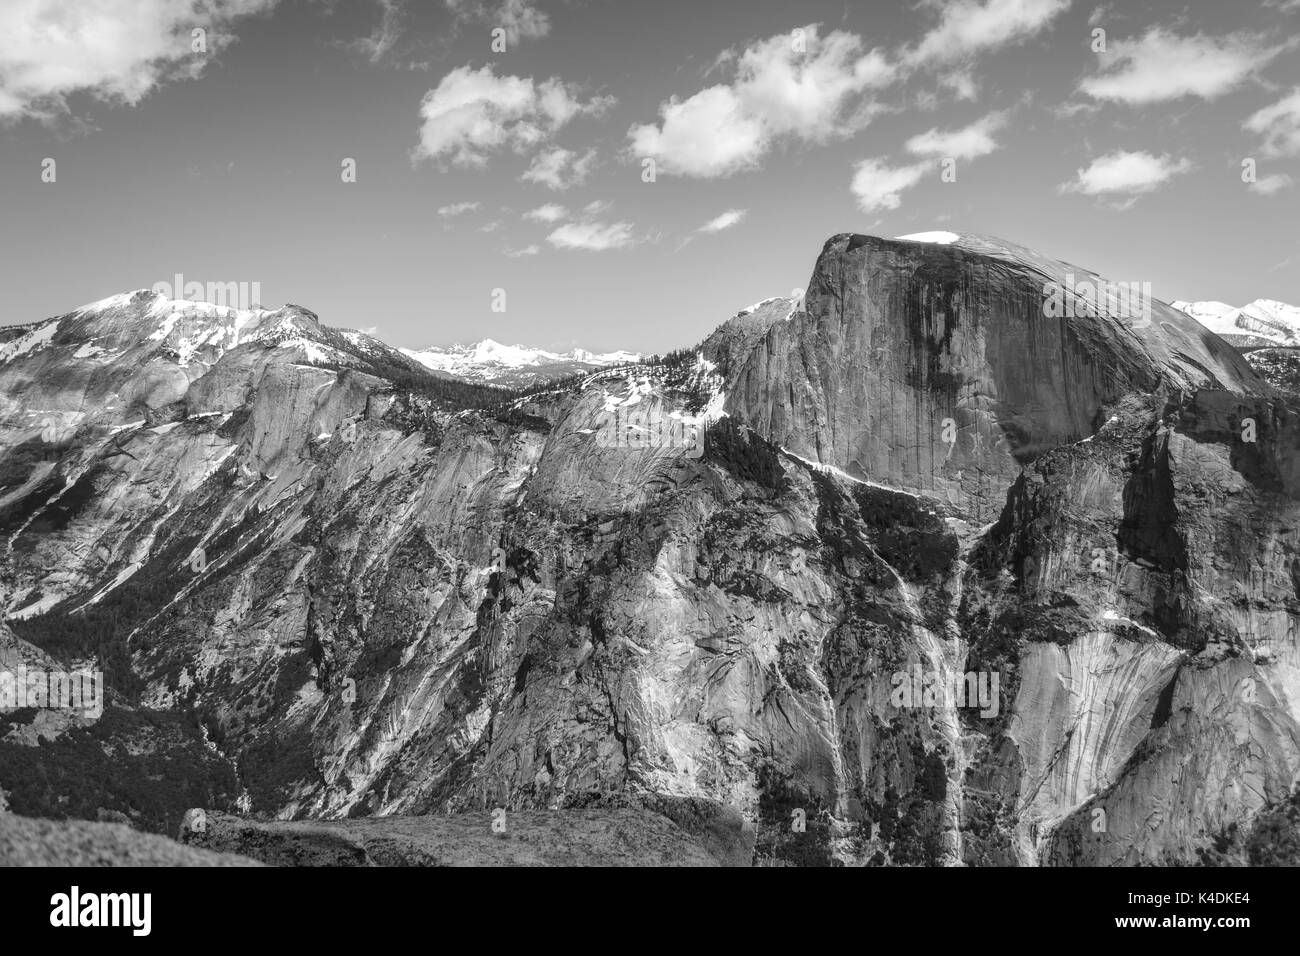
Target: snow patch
<point>937,238</point>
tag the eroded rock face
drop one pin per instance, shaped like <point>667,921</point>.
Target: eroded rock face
<point>375,605</point>
<point>936,368</point>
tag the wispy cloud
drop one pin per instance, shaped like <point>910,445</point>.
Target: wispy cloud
<point>560,168</point>
<point>519,19</point>
<point>1279,124</point>
<point>969,27</point>
<point>877,185</point>
<point>386,33</point>
<point>456,209</point>
<point>726,220</point>
<point>968,142</point>
<point>1160,66</point>
<point>592,236</point>
<point>551,212</point>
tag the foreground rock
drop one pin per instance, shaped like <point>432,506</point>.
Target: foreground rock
<point>28,842</point>
<point>601,837</point>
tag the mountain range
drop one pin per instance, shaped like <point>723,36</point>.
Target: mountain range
<point>911,571</point>
<point>514,365</point>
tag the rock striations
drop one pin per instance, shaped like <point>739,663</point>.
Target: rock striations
<point>931,568</point>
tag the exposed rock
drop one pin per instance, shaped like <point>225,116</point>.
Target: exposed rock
<point>380,600</point>
<point>77,843</point>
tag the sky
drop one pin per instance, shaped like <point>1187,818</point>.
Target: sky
<point>628,175</point>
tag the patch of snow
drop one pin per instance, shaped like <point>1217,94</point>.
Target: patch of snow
<point>1266,319</point>
<point>37,338</point>
<point>88,350</point>
<point>938,237</point>
<point>127,426</point>
<point>489,358</point>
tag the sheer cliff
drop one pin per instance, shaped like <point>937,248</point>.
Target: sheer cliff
<point>924,569</point>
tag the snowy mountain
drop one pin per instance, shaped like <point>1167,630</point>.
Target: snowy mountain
<point>1262,323</point>
<point>492,363</point>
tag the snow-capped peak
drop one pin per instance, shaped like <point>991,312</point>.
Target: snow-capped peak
<point>1262,322</point>
<point>491,361</point>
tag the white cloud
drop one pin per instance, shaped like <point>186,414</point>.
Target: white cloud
<point>778,93</point>
<point>117,51</point>
<point>596,207</point>
<point>879,186</point>
<point>967,27</point>
<point>1160,66</point>
<point>725,221</point>
<point>968,142</point>
<point>559,168</point>
<point>1129,174</point>
<point>456,209</point>
<point>1279,124</point>
<point>551,212</point>
<point>530,250</point>
<point>520,19</point>
<point>592,236</point>
<point>1272,184</point>
<point>473,113</point>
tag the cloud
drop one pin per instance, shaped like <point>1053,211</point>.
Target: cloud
<point>385,35</point>
<point>117,51</point>
<point>879,186</point>
<point>596,207</point>
<point>473,113</point>
<point>548,213</point>
<point>725,221</point>
<point>592,236</point>
<point>967,143</point>
<point>530,250</point>
<point>968,27</point>
<point>1279,124</point>
<point>1271,184</point>
<point>1160,66</point>
<point>559,168</point>
<point>800,87</point>
<point>456,209</point>
<point>1128,174</point>
<point>520,19</point>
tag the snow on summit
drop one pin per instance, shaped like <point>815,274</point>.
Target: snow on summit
<point>493,363</point>
<point>1261,323</point>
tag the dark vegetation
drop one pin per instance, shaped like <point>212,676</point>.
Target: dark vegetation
<point>777,843</point>
<point>148,765</point>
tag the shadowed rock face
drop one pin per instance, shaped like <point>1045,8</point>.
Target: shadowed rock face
<point>934,367</point>
<point>405,609</point>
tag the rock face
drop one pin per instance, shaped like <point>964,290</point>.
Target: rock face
<point>935,368</point>
<point>953,579</point>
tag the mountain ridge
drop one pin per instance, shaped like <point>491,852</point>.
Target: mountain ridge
<point>692,579</point>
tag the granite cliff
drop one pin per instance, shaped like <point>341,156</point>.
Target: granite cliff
<point>924,569</point>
